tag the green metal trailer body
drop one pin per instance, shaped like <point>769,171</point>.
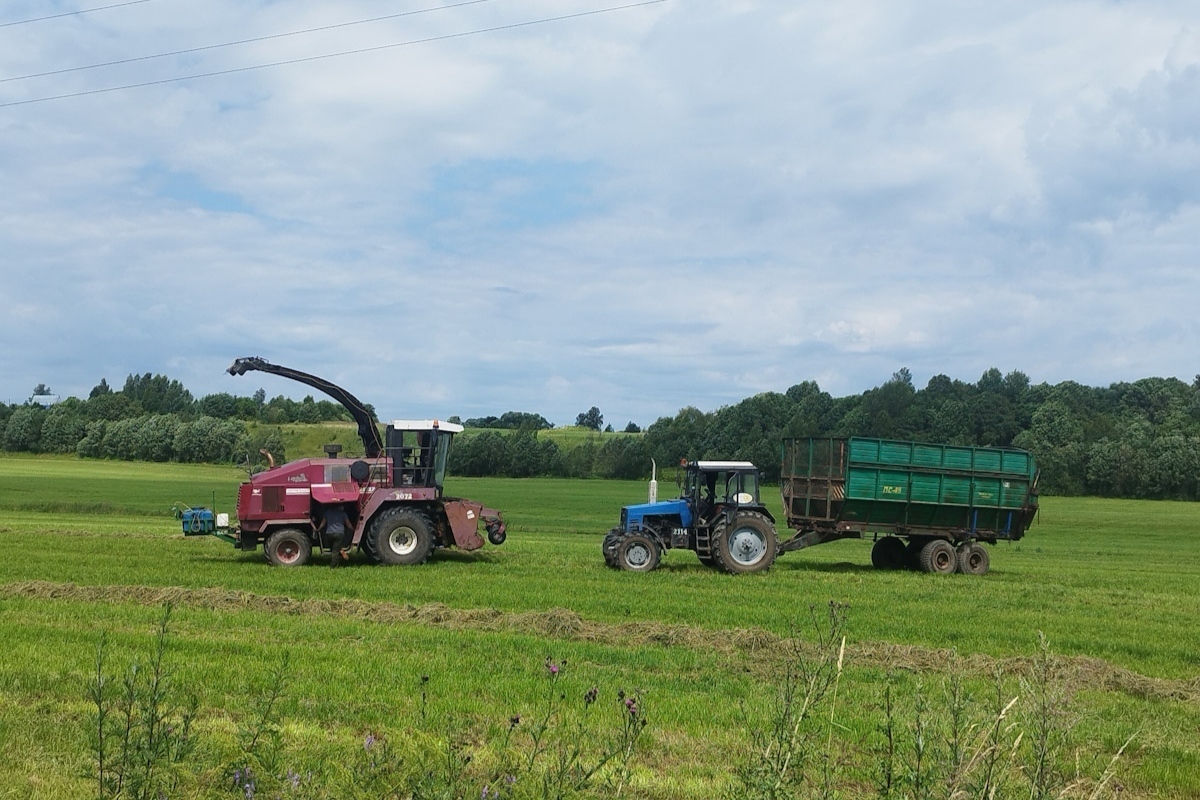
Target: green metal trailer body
<point>846,488</point>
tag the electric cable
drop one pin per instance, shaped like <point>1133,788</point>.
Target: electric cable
<point>339,54</point>
<point>73,13</point>
<point>240,41</point>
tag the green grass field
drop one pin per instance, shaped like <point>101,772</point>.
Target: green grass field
<point>93,549</point>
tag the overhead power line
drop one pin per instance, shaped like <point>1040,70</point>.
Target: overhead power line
<point>241,41</point>
<point>73,13</point>
<point>339,54</point>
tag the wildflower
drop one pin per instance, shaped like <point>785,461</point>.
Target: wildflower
<point>590,695</point>
<point>369,742</point>
<point>514,721</point>
<point>424,679</point>
<point>552,667</point>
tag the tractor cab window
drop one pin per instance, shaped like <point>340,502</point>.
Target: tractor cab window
<point>743,488</point>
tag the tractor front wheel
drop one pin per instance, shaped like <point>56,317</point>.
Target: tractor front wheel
<point>288,547</point>
<point>608,548</point>
<point>638,553</point>
<point>401,536</point>
<point>746,545</point>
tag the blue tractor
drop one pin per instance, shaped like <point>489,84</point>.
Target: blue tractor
<point>718,515</point>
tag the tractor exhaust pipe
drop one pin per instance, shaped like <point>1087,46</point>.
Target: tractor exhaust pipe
<point>653,482</point>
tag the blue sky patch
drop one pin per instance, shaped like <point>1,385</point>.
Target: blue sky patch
<point>187,188</point>
<point>508,194</point>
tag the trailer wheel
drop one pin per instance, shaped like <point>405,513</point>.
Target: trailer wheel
<point>401,536</point>
<point>973,559</point>
<point>747,545</point>
<point>938,556</point>
<point>889,553</point>
<point>638,553</point>
<point>288,547</point>
<point>912,552</point>
<point>608,548</point>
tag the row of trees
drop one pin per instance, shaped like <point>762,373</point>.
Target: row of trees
<point>523,455</point>
<point>1139,439</point>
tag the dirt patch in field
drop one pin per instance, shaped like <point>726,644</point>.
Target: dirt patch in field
<point>760,649</point>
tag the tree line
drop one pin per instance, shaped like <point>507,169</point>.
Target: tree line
<point>154,418</point>
<point>1138,439</point>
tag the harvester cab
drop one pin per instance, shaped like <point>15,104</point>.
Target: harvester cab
<point>718,515</point>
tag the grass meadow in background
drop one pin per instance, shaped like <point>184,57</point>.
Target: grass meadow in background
<point>459,646</point>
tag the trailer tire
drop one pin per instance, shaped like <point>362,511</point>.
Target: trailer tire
<point>973,559</point>
<point>638,552</point>
<point>912,552</point>
<point>288,547</point>
<point>746,545</point>
<point>938,556</point>
<point>401,536</point>
<point>889,553</point>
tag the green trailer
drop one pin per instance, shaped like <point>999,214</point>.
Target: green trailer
<point>927,506</point>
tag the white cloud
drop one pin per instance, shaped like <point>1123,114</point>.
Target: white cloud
<point>682,204</point>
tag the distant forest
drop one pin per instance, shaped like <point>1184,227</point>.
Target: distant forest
<point>1138,440</point>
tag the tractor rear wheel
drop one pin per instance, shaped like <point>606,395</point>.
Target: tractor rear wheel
<point>938,556</point>
<point>638,553</point>
<point>288,547</point>
<point>745,545</point>
<point>889,553</point>
<point>973,559</point>
<point>401,536</point>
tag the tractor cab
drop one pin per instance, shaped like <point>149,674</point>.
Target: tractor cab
<point>419,450</point>
<point>709,485</point>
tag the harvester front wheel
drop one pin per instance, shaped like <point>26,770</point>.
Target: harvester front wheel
<point>746,545</point>
<point>938,556</point>
<point>889,553</point>
<point>638,553</point>
<point>288,547</point>
<point>973,559</point>
<point>402,536</point>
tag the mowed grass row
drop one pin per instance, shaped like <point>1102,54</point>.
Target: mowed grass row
<point>1103,579</point>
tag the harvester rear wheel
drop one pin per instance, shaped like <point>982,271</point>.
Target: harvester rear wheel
<point>746,545</point>
<point>973,559</point>
<point>288,547</point>
<point>938,556</point>
<point>401,536</point>
<point>638,553</point>
<point>889,553</point>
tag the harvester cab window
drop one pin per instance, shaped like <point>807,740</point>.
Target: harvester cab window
<point>412,457</point>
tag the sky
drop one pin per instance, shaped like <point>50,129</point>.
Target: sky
<point>467,208</point>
